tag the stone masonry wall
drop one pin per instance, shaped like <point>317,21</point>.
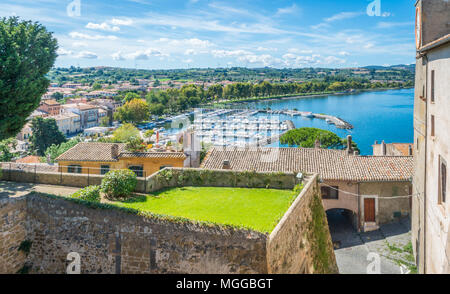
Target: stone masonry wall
<point>174,177</point>
<point>12,233</point>
<point>111,241</point>
<point>301,243</point>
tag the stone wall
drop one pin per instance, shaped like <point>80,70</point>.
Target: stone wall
<point>112,241</point>
<point>12,233</point>
<point>166,178</point>
<point>301,242</point>
<point>115,240</point>
<point>175,177</point>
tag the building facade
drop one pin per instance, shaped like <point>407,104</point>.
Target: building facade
<point>100,158</point>
<point>431,206</point>
<point>68,123</point>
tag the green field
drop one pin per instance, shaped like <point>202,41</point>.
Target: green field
<point>256,209</point>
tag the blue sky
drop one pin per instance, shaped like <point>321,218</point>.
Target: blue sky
<point>162,34</point>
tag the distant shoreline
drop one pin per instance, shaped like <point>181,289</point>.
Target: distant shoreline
<point>297,96</point>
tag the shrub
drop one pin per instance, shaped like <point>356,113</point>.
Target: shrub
<point>119,183</point>
<point>90,193</point>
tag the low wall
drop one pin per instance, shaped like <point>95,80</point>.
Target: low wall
<point>166,178</point>
<point>59,179</point>
<point>111,241</point>
<point>13,232</point>
<point>301,242</point>
<point>177,177</point>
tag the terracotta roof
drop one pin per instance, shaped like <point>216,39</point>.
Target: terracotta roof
<point>330,164</point>
<point>29,159</point>
<point>103,152</point>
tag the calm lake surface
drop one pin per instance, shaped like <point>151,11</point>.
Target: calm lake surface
<point>383,115</point>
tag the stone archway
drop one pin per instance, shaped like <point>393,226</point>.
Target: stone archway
<point>343,227</point>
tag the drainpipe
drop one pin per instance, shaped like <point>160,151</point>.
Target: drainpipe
<point>425,58</point>
<point>425,169</point>
<point>359,207</point>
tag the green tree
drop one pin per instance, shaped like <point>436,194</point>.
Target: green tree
<point>306,138</point>
<point>54,151</point>
<point>5,149</point>
<point>45,134</point>
<point>27,53</point>
<point>97,86</point>
<point>104,121</point>
<point>125,134</point>
<point>130,96</point>
<point>135,111</point>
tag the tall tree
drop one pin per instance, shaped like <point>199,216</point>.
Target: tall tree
<point>45,134</point>
<point>135,111</point>
<point>27,53</point>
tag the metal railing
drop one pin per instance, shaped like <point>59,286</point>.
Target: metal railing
<point>29,173</point>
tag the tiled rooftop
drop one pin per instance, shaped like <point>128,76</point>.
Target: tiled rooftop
<point>330,164</point>
<point>103,152</point>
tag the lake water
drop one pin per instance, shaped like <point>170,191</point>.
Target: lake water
<point>379,115</point>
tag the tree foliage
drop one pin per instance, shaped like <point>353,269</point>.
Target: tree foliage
<point>134,112</point>
<point>306,138</point>
<point>125,133</point>
<point>5,149</point>
<point>45,134</point>
<point>54,151</point>
<point>27,53</point>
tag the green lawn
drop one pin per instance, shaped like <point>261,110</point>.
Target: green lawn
<point>257,209</point>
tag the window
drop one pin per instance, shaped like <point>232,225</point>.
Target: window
<point>74,169</point>
<point>330,192</point>
<point>104,169</point>
<point>442,181</point>
<point>433,131</point>
<point>137,169</point>
<point>432,86</point>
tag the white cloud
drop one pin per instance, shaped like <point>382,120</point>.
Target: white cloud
<point>79,44</point>
<point>63,52</point>
<point>87,55</point>
<point>388,25</point>
<point>118,56</point>
<point>77,35</point>
<point>288,10</point>
<point>369,45</point>
<point>188,61</point>
<point>122,22</point>
<point>300,51</point>
<point>343,15</point>
<point>102,26</point>
<point>194,42</point>
<point>146,54</point>
<point>344,53</point>
<point>229,53</point>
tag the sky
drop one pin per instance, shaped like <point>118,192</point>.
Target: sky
<point>168,34</point>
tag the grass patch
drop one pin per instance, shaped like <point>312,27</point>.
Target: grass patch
<point>256,209</point>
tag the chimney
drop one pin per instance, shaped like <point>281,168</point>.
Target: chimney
<point>115,151</point>
<point>226,164</point>
<point>349,144</point>
<point>383,148</point>
<point>376,142</point>
<point>410,150</point>
<point>317,144</point>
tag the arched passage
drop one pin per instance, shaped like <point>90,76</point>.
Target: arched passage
<point>343,227</point>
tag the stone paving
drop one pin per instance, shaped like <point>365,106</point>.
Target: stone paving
<point>13,189</point>
<point>352,256</point>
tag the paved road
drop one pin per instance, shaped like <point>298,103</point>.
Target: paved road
<point>13,189</point>
<point>354,249</point>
